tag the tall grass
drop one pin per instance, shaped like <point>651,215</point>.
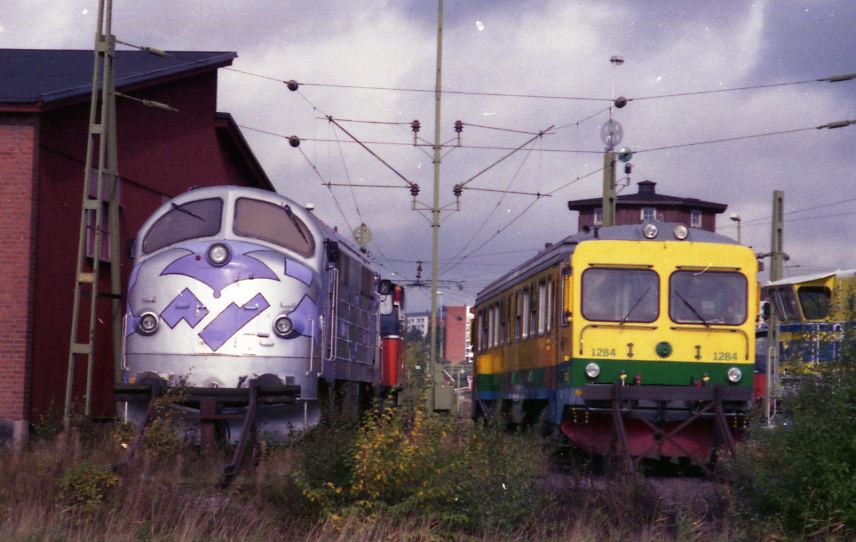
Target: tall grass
<point>399,475</point>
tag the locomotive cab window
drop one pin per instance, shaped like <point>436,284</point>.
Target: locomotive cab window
<point>190,220</point>
<point>815,301</point>
<point>273,223</point>
<point>711,297</point>
<point>785,303</point>
<point>620,295</point>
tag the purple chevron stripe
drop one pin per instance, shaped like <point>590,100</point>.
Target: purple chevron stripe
<point>131,323</point>
<point>300,317</point>
<point>232,319</point>
<point>185,306</point>
<point>240,267</point>
<point>298,271</point>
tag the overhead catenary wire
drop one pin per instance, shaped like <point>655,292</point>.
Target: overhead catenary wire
<point>831,125</point>
<point>498,232</point>
<point>717,140</point>
<point>487,255</point>
<point>766,219</point>
<point>410,183</point>
<point>513,220</point>
<point>505,156</point>
<point>321,177</point>
<point>803,218</point>
<point>496,206</point>
<point>830,79</point>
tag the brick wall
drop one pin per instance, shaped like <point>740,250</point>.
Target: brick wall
<point>18,155</point>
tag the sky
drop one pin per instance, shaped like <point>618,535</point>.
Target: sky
<point>512,69</point>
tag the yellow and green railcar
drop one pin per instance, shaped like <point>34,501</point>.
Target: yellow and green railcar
<point>635,335</point>
<point>817,316</point>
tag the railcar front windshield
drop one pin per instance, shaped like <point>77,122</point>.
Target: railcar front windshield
<point>708,297</point>
<point>815,301</point>
<point>620,295</point>
<point>184,221</point>
<point>273,223</point>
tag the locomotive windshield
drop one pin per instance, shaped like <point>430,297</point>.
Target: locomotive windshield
<point>199,218</point>
<point>711,297</point>
<point>620,295</point>
<point>273,223</point>
<point>815,301</point>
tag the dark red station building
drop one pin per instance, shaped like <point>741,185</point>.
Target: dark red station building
<point>647,204</point>
<point>44,112</point>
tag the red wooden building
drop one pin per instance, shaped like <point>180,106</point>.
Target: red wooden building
<point>44,109</point>
<point>647,204</point>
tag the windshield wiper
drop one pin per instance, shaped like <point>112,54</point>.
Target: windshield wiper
<point>296,223</point>
<point>181,209</point>
<point>687,303</point>
<point>626,316</point>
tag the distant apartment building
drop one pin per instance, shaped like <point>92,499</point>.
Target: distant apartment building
<point>420,321</point>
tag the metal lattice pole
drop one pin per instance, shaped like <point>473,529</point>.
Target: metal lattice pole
<point>102,126</point>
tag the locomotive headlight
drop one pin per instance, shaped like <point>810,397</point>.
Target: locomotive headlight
<point>282,326</point>
<point>148,323</point>
<point>218,254</point>
<point>734,375</point>
<point>592,370</point>
<point>649,231</point>
<point>681,232</point>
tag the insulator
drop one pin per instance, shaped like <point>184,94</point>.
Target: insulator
<point>292,84</point>
<point>414,189</point>
<point>459,126</point>
<point>620,102</point>
<point>628,168</point>
<point>415,125</point>
<point>458,190</point>
<point>294,141</point>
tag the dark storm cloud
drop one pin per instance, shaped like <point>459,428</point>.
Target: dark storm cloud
<point>525,47</point>
<point>803,39</point>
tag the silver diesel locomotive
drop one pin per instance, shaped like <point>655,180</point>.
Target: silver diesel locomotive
<point>233,286</point>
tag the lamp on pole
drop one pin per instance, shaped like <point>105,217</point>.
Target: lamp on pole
<point>736,218</point>
<point>610,134</point>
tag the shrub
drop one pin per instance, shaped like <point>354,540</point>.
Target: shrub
<point>404,463</point>
<point>804,475</point>
<point>84,487</point>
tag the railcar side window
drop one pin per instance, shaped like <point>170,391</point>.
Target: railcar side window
<point>542,306</point>
<point>711,297</point>
<point>495,313</point>
<point>815,301</point>
<point>551,311</point>
<point>273,223</point>
<point>502,323</point>
<point>620,295</point>
<point>190,220</point>
<point>483,331</point>
<point>525,310</point>
<point>533,311</point>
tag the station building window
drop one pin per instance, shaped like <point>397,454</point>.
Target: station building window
<point>648,213</point>
<point>695,218</point>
